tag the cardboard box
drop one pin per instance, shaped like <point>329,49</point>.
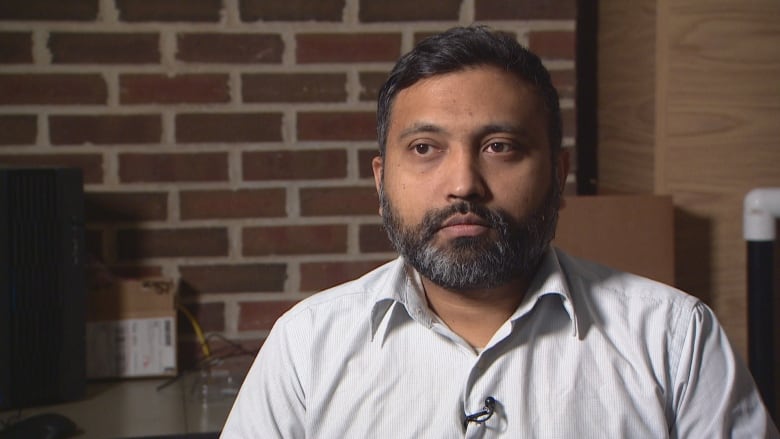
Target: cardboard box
<point>633,233</point>
<point>131,329</point>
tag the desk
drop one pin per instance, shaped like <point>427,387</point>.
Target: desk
<point>134,408</point>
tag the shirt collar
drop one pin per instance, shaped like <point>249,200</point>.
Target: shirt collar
<point>401,286</point>
<point>550,279</point>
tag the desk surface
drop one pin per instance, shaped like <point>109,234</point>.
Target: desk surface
<point>134,408</point>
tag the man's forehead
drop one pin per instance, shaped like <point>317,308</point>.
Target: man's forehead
<point>445,111</point>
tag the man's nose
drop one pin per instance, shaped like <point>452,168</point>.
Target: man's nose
<point>464,176</point>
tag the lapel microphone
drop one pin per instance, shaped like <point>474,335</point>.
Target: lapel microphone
<point>483,415</point>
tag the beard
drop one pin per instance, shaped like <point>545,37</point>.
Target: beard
<point>512,251</point>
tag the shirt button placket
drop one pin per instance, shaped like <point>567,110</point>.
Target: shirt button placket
<point>474,399</point>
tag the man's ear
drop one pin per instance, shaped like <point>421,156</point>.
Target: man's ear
<point>377,164</point>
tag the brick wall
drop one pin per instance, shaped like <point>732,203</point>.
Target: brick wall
<point>227,143</point>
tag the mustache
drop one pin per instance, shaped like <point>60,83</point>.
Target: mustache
<point>434,220</point>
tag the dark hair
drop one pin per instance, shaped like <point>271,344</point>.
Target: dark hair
<point>458,49</point>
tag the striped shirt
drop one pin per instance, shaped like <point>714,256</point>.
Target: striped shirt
<point>589,353</point>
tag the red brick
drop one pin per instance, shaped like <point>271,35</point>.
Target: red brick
<point>365,157</point>
<point>81,10</point>
<point>91,165</point>
<point>256,316</point>
<point>291,240</point>
<point>337,126</point>
<point>210,317</point>
<point>565,82</point>
<point>373,239</point>
<point>169,10</point>
<point>230,48</point>
<point>569,117</point>
<point>570,188</point>
<point>408,10</point>
<point>339,201</point>
<point>552,44</point>
<point>291,10</point>
<point>181,89</point>
<point>228,127</point>
<point>18,129</point>
<point>171,243</point>
<point>16,48</point>
<point>104,48</point>
<point>244,203</point>
<point>419,36</point>
<point>294,165</point>
<point>316,276</point>
<point>294,87</point>
<point>370,84</point>
<point>250,347</point>
<point>54,89</point>
<point>180,167</point>
<point>105,129</point>
<point>572,150</point>
<point>327,48</point>
<point>125,206</point>
<point>525,9</point>
<point>239,278</point>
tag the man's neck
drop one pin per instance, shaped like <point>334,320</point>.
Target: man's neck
<point>475,315</point>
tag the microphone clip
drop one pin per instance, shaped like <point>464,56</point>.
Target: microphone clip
<point>483,415</point>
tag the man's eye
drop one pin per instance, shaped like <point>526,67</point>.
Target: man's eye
<point>499,147</point>
<point>422,148</point>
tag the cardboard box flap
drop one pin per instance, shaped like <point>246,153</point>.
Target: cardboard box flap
<point>133,298</point>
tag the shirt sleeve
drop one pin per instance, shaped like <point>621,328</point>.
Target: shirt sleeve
<point>271,401</point>
<point>715,396</point>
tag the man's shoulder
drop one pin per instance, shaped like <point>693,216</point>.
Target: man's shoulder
<point>626,308</point>
<point>599,282</point>
<point>349,297</point>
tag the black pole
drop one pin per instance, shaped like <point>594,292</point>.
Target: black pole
<point>760,327</point>
<point>587,97</point>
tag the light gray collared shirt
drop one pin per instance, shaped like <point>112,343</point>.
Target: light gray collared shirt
<point>589,353</point>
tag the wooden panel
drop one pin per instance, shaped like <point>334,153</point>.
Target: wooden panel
<point>718,137</point>
<point>626,109</point>
<point>717,129</point>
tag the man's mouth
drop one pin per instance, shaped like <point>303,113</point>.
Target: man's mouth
<point>465,219</point>
<point>464,225</point>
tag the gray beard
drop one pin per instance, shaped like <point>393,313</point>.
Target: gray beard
<point>474,262</point>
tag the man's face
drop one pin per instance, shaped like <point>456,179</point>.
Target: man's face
<point>466,184</point>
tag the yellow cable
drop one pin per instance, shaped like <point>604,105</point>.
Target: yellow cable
<point>204,345</point>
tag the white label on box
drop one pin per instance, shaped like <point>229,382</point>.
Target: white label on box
<point>131,348</point>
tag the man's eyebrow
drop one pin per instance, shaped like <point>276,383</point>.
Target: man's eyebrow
<point>421,127</point>
<point>508,128</point>
<point>425,127</point>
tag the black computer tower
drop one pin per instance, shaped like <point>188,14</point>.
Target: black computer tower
<point>42,286</point>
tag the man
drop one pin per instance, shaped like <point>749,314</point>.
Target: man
<point>480,328</point>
